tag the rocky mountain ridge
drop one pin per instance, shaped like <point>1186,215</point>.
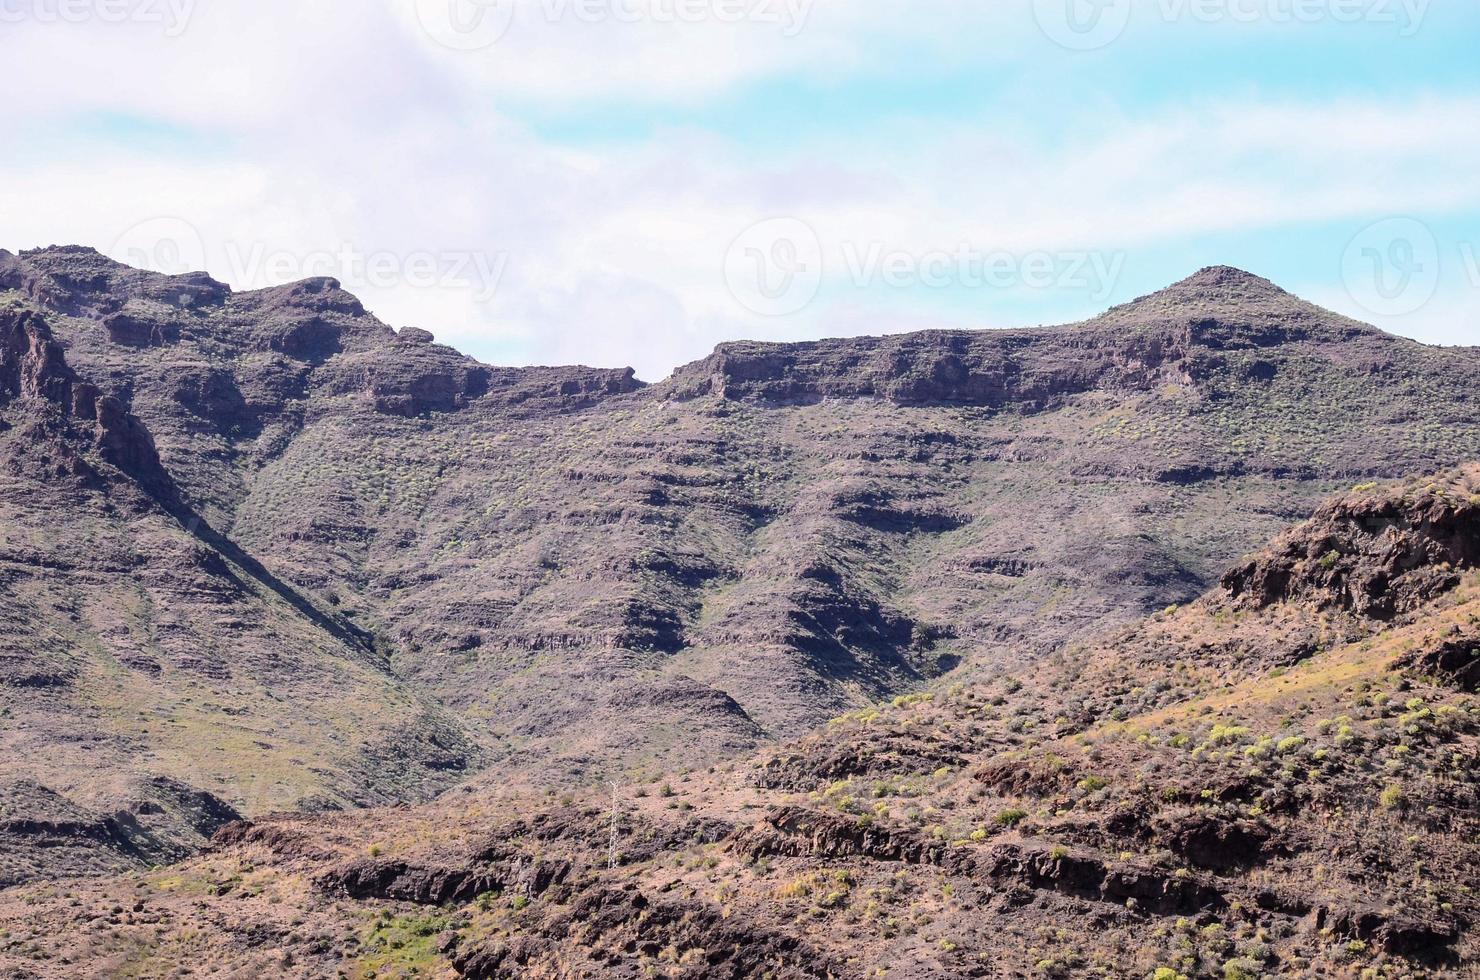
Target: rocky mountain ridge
<point>555,575</point>
<point>1139,346</point>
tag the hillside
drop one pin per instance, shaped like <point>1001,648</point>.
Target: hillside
<point>365,567</point>
<point>1278,779</point>
<point>153,677</point>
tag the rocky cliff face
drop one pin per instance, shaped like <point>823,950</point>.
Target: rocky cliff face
<point>1024,370</point>
<point>31,364</point>
<point>1377,554</point>
<point>37,385</point>
<point>1171,338</point>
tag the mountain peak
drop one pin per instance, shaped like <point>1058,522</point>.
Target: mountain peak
<point>1217,286</point>
<point>79,280</point>
<point>1227,306</point>
<point>1229,278</point>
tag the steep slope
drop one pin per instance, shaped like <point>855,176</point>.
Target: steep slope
<point>603,576</point>
<point>155,681</point>
<point>1280,779</point>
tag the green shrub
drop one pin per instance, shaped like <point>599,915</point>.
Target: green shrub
<point>1225,734</point>
<point>1239,970</point>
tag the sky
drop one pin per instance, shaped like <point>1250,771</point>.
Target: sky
<point>631,182</point>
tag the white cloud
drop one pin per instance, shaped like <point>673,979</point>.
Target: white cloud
<point>303,129</point>
<point>1451,318</point>
<point>683,51</point>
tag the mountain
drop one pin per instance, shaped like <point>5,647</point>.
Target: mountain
<point>150,670</point>
<point>1281,778</point>
<point>357,567</point>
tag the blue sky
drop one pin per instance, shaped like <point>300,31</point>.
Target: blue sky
<point>631,182</point>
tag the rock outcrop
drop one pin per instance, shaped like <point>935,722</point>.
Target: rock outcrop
<point>1169,338</point>
<point>1376,552</point>
<point>34,371</point>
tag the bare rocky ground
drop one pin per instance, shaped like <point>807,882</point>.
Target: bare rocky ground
<point>259,552</point>
<point>1279,779</point>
